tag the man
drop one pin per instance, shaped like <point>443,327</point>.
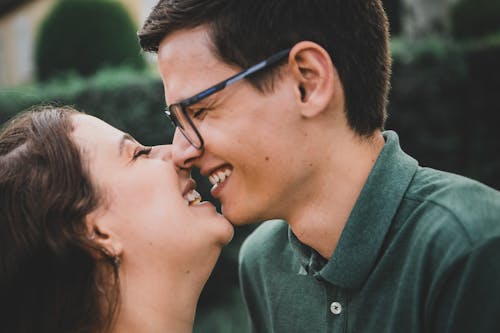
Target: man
<point>281,104</point>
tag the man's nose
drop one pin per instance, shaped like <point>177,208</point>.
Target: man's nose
<point>183,153</point>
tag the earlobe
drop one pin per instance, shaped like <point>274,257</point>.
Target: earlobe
<point>314,75</point>
<point>102,236</point>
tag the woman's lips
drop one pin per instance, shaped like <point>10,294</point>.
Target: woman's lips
<point>190,195</point>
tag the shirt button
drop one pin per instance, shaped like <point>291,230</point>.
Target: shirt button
<point>336,308</point>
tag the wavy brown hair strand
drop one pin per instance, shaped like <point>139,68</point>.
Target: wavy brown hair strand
<point>51,279</point>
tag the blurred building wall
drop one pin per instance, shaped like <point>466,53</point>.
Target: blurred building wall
<point>18,31</point>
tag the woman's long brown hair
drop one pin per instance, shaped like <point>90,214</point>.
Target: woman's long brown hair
<point>53,278</point>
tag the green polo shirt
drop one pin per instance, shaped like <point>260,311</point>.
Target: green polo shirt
<point>420,252</point>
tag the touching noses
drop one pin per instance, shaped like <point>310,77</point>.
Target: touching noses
<point>163,152</point>
<point>183,153</point>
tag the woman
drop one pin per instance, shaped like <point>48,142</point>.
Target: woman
<point>95,232</point>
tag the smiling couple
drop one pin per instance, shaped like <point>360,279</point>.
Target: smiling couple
<point>282,105</point>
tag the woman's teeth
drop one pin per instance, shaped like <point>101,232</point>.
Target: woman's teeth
<point>219,176</point>
<point>192,198</point>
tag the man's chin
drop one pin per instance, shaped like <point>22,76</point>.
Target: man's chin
<point>237,218</point>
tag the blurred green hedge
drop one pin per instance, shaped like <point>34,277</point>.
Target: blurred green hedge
<point>443,104</point>
<point>475,18</point>
<point>84,36</point>
<point>130,100</point>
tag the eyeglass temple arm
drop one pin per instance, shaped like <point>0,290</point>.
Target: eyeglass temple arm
<point>268,62</point>
<point>221,85</point>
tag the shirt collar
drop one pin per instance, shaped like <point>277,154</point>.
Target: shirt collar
<point>361,240</point>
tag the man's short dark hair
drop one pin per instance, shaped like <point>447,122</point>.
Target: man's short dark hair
<point>244,32</point>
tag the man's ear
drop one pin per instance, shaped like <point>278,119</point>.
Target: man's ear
<point>100,232</point>
<point>315,77</point>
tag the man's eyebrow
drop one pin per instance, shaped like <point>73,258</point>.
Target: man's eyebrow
<point>124,138</point>
<point>206,100</point>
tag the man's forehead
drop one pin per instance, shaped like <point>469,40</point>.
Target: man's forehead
<point>187,64</point>
<point>183,44</point>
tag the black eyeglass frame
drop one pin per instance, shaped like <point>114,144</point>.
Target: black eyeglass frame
<point>182,105</point>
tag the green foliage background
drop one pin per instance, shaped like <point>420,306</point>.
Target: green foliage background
<point>84,36</point>
<point>475,18</point>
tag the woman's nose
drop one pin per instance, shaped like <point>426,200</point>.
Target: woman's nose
<point>183,153</point>
<point>163,152</point>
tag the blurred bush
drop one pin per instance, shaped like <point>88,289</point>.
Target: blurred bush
<point>443,104</point>
<point>475,18</point>
<point>84,36</point>
<point>128,99</point>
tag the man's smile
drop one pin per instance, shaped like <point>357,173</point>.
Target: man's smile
<point>219,176</point>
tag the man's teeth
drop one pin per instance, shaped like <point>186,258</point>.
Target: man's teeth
<point>219,176</point>
<point>192,198</point>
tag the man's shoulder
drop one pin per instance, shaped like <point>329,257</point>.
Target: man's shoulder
<point>267,260</point>
<point>267,241</point>
<point>266,238</point>
<point>440,183</point>
<point>456,202</point>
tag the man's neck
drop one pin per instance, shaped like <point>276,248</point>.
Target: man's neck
<point>322,214</point>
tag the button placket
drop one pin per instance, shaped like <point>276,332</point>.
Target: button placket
<point>336,309</point>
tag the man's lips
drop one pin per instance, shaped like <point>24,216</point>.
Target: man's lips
<point>220,174</point>
<point>219,178</point>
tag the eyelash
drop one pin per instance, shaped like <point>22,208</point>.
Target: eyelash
<point>142,151</point>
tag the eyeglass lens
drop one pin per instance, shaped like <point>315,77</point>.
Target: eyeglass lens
<point>185,126</point>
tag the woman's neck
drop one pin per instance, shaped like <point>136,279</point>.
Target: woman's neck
<point>156,303</point>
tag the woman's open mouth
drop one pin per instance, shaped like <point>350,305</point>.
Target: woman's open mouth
<point>190,195</point>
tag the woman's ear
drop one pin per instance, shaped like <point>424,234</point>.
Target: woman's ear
<point>315,77</point>
<point>100,232</point>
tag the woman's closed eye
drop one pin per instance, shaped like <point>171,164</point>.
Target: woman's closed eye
<point>141,151</point>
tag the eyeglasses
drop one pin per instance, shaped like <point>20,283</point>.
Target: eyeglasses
<point>179,115</point>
